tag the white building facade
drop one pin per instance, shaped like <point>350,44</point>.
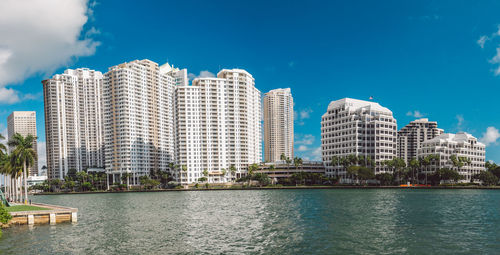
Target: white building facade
<point>24,123</point>
<point>218,126</point>
<point>139,118</point>
<point>73,121</point>
<point>461,145</point>
<point>278,124</point>
<point>356,127</point>
<point>411,137</point>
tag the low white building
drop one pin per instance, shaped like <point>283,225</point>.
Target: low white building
<point>461,145</point>
<point>34,180</point>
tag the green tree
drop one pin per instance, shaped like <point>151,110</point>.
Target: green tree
<point>232,169</point>
<point>205,174</point>
<point>385,179</point>
<point>365,173</point>
<point>353,171</point>
<point>297,162</point>
<point>224,172</point>
<point>487,178</point>
<point>4,217</point>
<point>251,168</point>
<point>23,154</point>
<point>126,178</point>
<point>414,166</point>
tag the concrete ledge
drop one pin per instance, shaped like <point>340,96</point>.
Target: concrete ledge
<point>54,214</point>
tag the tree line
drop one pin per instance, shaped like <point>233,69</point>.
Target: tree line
<point>417,171</point>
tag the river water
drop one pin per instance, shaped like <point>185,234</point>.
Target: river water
<point>346,221</point>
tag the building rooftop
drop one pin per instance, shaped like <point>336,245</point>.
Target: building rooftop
<point>355,104</point>
<point>280,90</point>
<point>460,137</point>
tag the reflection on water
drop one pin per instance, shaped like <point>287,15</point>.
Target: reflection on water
<point>269,222</point>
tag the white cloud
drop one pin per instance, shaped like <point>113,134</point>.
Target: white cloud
<point>305,148</point>
<point>313,154</point>
<point>42,155</point>
<point>203,74</point>
<point>482,40</point>
<point>416,114</point>
<point>306,139</point>
<point>11,96</point>
<point>302,115</point>
<point>316,153</point>
<point>30,96</point>
<point>305,114</point>
<point>460,121</point>
<point>496,60</point>
<point>39,36</point>
<point>8,96</point>
<point>302,148</point>
<point>490,136</point>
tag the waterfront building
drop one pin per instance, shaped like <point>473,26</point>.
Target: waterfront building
<point>278,124</point>
<point>461,145</point>
<point>34,180</point>
<point>24,123</point>
<point>356,127</point>
<point>139,118</point>
<point>73,121</point>
<point>218,127</point>
<point>280,169</point>
<point>411,136</point>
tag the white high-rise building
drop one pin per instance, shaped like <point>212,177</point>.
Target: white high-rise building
<point>218,126</point>
<point>24,123</point>
<point>278,124</point>
<point>73,121</point>
<point>411,137</point>
<point>139,118</point>
<point>356,127</point>
<point>461,145</point>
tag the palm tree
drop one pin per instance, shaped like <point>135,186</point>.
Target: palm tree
<point>283,157</point>
<point>23,154</point>
<point>232,169</point>
<point>184,169</point>
<point>297,161</point>
<point>224,172</point>
<point>414,165</point>
<point>3,159</point>
<point>427,161</point>
<point>126,176</point>
<point>5,171</point>
<point>251,169</point>
<point>205,173</point>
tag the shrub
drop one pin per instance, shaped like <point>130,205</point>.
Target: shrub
<point>4,217</point>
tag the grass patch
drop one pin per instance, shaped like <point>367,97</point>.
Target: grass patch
<point>21,208</point>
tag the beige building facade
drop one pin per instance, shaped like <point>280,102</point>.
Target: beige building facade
<point>24,123</point>
<point>278,124</point>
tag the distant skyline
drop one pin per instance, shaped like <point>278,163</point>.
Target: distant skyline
<point>421,59</point>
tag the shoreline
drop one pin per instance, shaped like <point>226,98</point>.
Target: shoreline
<point>272,188</point>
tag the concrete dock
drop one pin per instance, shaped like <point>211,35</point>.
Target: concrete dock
<point>54,215</point>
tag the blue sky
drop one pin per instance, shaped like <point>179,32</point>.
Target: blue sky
<point>433,59</point>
